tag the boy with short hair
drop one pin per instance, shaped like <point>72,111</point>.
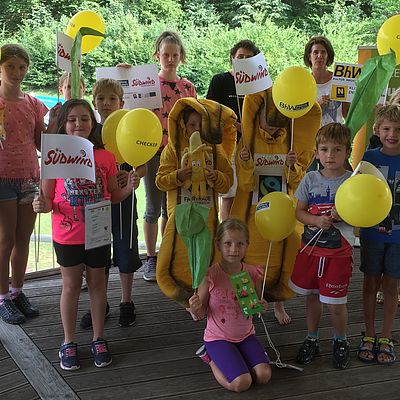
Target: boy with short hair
<point>323,267</point>
<point>107,98</point>
<point>380,245</point>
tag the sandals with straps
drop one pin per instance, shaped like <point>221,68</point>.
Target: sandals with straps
<point>367,353</point>
<point>388,350</point>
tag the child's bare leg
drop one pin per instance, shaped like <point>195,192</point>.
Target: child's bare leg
<point>150,232</point>
<point>261,373</point>
<point>339,317</point>
<point>96,280</point>
<point>280,313</point>
<point>239,384</point>
<point>313,312</point>
<point>8,223</point>
<point>19,256</point>
<point>126,280</point>
<point>71,289</point>
<point>370,288</point>
<point>226,205</point>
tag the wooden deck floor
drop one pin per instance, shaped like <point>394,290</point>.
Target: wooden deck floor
<point>154,359</point>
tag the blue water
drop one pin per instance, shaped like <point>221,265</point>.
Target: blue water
<point>49,101</point>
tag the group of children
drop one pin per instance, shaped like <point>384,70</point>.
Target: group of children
<point>323,265</point>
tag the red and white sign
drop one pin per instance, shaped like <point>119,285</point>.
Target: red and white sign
<point>66,156</point>
<point>141,85</point>
<point>251,74</point>
<point>63,52</point>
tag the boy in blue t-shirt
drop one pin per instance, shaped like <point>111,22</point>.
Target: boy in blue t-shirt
<point>107,98</point>
<point>380,245</point>
<point>323,267</point>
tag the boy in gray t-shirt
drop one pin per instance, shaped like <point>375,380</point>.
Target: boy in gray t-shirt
<point>323,267</point>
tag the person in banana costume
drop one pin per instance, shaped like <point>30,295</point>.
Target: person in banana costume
<point>267,141</point>
<point>194,167</point>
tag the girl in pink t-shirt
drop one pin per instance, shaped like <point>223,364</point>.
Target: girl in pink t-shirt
<point>232,350</point>
<point>21,124</point>
<point>67,199</point>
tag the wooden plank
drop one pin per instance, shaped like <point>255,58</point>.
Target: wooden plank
<point>36,368</point>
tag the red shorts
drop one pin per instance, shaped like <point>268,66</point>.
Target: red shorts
<point>328,277</point>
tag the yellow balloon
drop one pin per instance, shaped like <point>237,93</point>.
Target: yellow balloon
<point>275,216</point>
<point>87,19</point>
<point>109,133</point>
<point>389,37</point>
<point>363,200</point>
<point>294,92</point>
<point>139,136</point>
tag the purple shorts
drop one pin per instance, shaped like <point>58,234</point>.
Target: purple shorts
<point>235,359</point>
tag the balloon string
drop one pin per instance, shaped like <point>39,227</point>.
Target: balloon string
<point>265,271</point>
<point>315,236</point>
<point>291,148</point>
<point>240,116</point>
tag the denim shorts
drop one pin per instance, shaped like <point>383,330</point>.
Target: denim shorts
<point>380,258</point>
<point>24,191</point>
<point>156,200</point>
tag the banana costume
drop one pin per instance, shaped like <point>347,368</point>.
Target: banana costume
<point>196,155</point>
<point>269,148</point>
<point>214,146</point>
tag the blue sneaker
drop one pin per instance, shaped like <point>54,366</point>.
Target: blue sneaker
<point>69,357</point>
<point>101,354</point>
<point>10,313</point>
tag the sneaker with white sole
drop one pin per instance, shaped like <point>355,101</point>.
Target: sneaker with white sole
<point>203,355</point>
<point>68,354</point>
<point>101,354</point>
<point>149,273</point>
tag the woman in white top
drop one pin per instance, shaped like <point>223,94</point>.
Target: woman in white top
<point>319,55</point>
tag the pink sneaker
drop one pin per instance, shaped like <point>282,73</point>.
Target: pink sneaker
<point>203,355</point>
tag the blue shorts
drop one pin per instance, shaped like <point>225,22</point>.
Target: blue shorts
<point>24,191</point>
<point>71,255</point>
<point>235,359</point>
<point>125,258</point>
<point>156,200</point>
<point>380,258</point>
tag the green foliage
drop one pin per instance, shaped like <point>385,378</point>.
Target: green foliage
<point>209,29</point>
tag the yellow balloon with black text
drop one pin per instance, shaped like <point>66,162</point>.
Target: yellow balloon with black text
<point>109,133</point>
<point>139,135</point>
<point>294,92</point>
<point>275,216</point>
<point>389,37</point>
<point>363,200</point>
<point>87,19</point>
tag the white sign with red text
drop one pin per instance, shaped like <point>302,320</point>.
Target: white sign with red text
<point>66,156</point>
<point>63,52</point>
<point>141,85</point>
<point>251,74</point>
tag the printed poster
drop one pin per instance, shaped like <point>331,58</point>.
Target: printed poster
<point>344,82</point>
<point>97,224</point>
<point>140,83</point>
<point>269,175</point>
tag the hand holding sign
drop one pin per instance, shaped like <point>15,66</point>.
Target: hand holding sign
<point>139,135</point>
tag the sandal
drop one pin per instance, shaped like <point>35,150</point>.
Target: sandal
<point>387,350</point>
<point>379,297</point>
<point>365,352</point>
